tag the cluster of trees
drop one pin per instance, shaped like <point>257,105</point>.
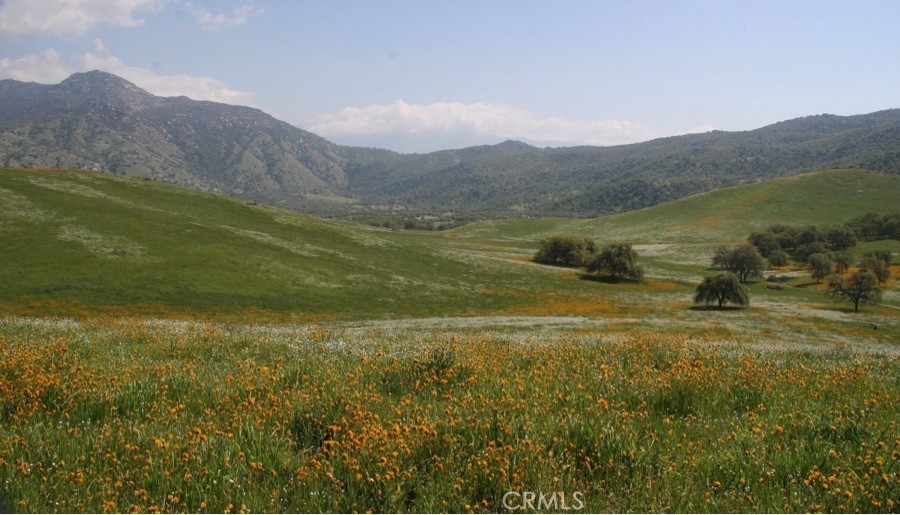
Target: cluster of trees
<point>616,260</point>
<point>780,243</point>
<point>744,262</point>
<point>874,226</point>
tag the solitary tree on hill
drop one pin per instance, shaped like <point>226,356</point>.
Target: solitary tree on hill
<point>721,289</point>
<point>860,287</point>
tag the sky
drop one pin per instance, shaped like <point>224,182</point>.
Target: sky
<point>424,75</point>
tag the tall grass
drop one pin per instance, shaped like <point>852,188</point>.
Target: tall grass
<point>125,415</point>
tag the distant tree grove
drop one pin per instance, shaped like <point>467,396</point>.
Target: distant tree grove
<point>615,260</point>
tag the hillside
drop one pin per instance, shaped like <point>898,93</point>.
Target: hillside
<point>92,243</point>
<point>98,121</point>
<point>677,239</point>
<point>816,198</point>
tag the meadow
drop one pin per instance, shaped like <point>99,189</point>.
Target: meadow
<point>159,416</point>
<point>163,350</point>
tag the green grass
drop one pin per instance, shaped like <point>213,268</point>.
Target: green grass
<point>181,351</point>
<point>729,214</point>
<point>184,417</point>
<point>78,242</point>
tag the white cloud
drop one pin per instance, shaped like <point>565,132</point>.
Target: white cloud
<point>100,46</point>
<point>70,17</point>
<point>49,68</point>
<point>46,68</point>
<point>210,21</point>
<point>481,119</point>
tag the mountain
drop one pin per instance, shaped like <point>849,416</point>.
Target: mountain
<point>98,121</point>
<point>516,179</point>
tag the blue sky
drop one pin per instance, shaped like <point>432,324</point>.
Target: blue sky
<point>429,74</point>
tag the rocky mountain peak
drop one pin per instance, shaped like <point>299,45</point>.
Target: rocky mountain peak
<point>107,87</point>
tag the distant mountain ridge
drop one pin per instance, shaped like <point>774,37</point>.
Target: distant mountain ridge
<point>98,121</point>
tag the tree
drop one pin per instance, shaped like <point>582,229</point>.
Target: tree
<point>745,262</point>
<point>842,262</point>
<point>720,289</point>
<point>819,266</point>
<point>882,255</point>
<point>564,250</point>
<point>720,257</point>
<point>840,238</point>
<point>860,287</point>
<point>874,226</point>
<point>876,267</point>
<point>765,242</point>
<point>617,260</point>
<point>779,258</point>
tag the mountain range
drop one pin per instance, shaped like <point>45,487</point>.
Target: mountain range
<point>99,121</point>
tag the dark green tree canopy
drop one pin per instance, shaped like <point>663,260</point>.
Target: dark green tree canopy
<point>617,260</point>
<point>779,258</point>
<point>564,251</point>
<point>744,261</point>
<point>875,226</point>
<point>819,265</point>
<point>842,261</point>
<point>876,267</point>
<point>721,289</point>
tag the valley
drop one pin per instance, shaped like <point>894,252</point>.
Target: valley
<point>171,350</point>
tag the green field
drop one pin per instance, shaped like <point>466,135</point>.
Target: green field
<point>164,350</point>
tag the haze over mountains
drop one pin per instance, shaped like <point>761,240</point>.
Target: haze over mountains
<point>98,121</point>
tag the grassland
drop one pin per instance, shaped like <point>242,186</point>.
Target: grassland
<point>149,416</point>
<point>163,350</point>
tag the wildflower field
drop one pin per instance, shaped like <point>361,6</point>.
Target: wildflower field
<point>136,415</point>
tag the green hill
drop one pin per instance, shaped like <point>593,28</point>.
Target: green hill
<point>85,242</point>
<point>817,198</point>
<point>677,238</point>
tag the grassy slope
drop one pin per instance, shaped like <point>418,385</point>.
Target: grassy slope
<point>678,236</point>
<point>828,197</point>
<point>88,243</point>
